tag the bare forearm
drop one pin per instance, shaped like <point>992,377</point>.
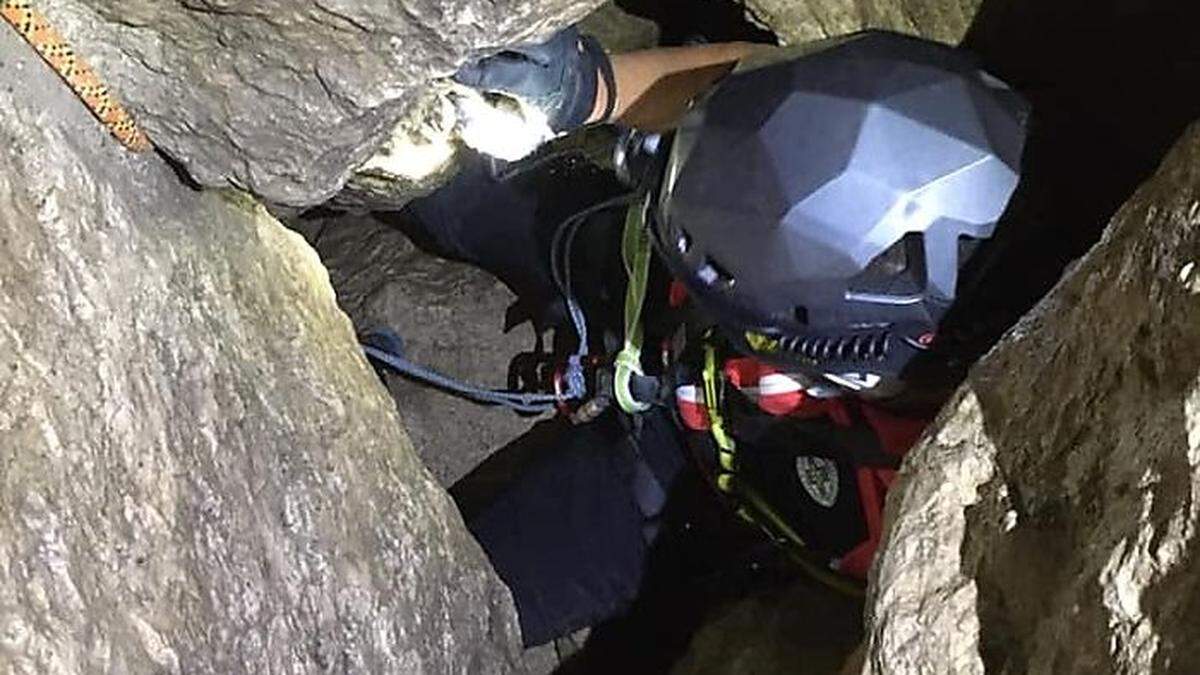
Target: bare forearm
<point>654,87</point>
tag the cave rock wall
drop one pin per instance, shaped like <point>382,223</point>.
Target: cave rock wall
<point>798,22</point>
<point>450,316</point>
<point>285,98</point>
<point>199,472</point>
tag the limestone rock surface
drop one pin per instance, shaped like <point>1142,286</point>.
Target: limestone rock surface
<point>451,317</point>
<point>1049,524</point>
<point>620,31</point>
<point>807,628</point>
<point>285,98</point>
<point>801,21</point>
<point>199,473</point>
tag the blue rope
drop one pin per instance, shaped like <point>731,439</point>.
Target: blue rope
<point>561,247</point>
<point>524,402</point>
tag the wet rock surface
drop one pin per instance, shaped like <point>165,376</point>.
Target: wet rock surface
<point>198,470</point>
<point>284,98</point>
<point>1048,524</point>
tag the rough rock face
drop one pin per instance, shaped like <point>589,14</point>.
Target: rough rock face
<point>451,317</point>
<point>1049,525</point>
<point>285,98</point>
<point>424,152</point>
<point>198,470</point>
<point>797,22</point>
<point>618,30</point>
<point>807,624</point>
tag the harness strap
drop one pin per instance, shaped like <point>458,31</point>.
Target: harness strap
<point>385,347</point>
<point>635,254</point>
<point>712,399</point>
<point>758,511</point>
<point>752,507</point>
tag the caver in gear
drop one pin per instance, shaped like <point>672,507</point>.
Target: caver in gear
<point>820,208</point>
<point>811,217</point>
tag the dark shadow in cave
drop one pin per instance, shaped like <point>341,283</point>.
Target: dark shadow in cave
<point>705,564</point>
<point>1113,85</point>
<point>684,21</point>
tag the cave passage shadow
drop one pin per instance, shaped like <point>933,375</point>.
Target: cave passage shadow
<point>1113,84</point>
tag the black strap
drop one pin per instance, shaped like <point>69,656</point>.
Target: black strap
<point>579,89</point>
<point>603,64</point>
<point>610,77</point>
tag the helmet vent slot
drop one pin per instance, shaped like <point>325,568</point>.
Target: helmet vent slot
<point>879,346</point>
<point>847,347</point>
<point>800,314</point>
<point>861,347</point>
<point>897,271</point>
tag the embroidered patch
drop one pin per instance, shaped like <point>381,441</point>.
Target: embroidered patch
<point>819,476</point>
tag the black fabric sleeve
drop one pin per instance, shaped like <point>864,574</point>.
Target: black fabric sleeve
<point>570,535</point>
<point>503,220</point>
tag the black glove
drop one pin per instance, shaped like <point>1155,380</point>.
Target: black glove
<point>558,76</point>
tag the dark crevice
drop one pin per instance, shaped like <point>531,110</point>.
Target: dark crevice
<point>1112,88</point>
<point>178,169</point>
<point>688,21</point>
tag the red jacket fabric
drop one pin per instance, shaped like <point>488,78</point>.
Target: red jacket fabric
<point>778,394</point>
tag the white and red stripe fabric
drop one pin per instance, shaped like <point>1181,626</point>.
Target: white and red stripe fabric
<point>779,394</point>
<point>775,393</point>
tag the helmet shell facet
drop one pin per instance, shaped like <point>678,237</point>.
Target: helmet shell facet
<point>820,207</point>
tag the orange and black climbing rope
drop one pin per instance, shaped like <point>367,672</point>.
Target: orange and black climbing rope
<point>50,44</point>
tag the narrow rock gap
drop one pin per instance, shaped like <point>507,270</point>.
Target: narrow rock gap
<point>453,313</point>
<point>451,316</point>
<point>683,21</point>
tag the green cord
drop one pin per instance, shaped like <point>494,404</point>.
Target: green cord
<point>635,253</point>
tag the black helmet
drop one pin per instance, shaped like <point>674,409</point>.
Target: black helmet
<point>819,208</point>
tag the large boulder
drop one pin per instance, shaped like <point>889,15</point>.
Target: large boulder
<point>199,472</point>
<point>286,98</point>
<point>1049,523</point>
<point>797,22</point>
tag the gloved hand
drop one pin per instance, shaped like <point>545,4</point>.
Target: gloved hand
<point>558,77</point>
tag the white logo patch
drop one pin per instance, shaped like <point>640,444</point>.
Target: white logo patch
<point>819,476</point>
